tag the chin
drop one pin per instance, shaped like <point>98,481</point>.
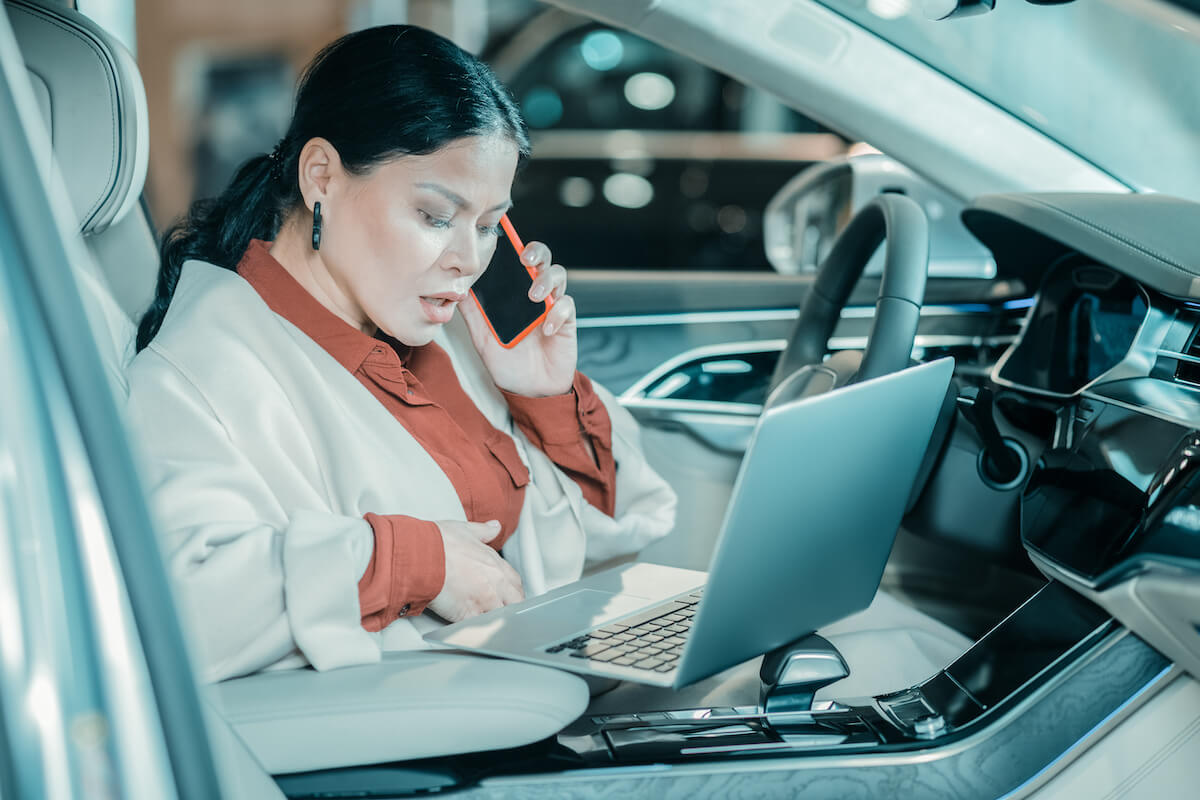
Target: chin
<point>413,338</point>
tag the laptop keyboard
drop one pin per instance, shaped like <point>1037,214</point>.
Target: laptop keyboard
<point>652,640</point>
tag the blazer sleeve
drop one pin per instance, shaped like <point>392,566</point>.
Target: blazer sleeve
<point>259,578</point>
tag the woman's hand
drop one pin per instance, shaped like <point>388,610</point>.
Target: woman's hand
<point>477,578</point>
<point>543,364</point>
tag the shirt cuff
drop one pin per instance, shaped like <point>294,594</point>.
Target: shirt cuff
<point>561,418</point>
<point>407,569</point>
<point>546,420</point>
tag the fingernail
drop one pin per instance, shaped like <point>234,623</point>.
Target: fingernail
<point>538,293</point>
<point>548,329</point>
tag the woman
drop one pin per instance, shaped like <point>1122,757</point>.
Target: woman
<point>331,449</point>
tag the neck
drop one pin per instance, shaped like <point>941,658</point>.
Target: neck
<point>292,248</point>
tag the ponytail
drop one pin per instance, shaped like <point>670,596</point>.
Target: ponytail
<point>218,230</point>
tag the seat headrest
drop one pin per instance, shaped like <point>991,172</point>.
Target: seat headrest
<point>94,105</point>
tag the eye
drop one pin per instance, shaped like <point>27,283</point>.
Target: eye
<point>489,230</point>
<point>432,221</point>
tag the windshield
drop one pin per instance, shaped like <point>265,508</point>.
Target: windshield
<point>1113,80</point>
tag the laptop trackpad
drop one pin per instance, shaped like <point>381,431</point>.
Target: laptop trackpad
<point>580,599</point>
<point>577,611</point>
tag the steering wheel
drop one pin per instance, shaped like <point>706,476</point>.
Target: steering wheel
<point>802,370</point>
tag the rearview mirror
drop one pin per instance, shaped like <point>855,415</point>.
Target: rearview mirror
<point>944,9</point>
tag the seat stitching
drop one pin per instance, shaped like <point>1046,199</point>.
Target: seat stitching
<point>1141,249</point>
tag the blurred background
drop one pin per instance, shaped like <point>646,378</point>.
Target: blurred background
<point>627,136</point>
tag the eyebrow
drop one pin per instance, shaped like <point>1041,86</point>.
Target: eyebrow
<point>458,199</point>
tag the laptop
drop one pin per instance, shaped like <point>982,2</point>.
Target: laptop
<point>807,532</point>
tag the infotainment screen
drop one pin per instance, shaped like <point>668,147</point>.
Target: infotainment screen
<point>1084,322</point>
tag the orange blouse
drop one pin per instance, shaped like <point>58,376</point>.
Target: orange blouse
<point>418,386</point>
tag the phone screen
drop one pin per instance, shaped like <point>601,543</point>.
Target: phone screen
<point>502,292</point>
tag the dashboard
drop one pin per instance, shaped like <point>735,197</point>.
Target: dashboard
<point>1110,351</point>
<point>1117,309</point>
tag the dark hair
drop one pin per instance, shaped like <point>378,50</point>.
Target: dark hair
<point>375,94</point>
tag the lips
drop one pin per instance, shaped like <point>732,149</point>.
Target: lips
<point>439,308</point>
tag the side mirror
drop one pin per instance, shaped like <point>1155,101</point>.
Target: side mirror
<point>804,218</point>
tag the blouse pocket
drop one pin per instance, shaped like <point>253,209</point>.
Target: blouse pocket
<point>504,450</point>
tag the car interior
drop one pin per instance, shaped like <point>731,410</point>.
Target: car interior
<point>1043,586</point>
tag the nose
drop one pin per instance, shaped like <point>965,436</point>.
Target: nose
<point>469,253</point>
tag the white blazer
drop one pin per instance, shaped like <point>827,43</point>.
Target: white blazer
<point>261,454</point>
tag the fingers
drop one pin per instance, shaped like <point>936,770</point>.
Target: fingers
<point>477,579</point>
<point>560,314</point>
<point>535,255</point>
<point>551,280</point>
<point>550,284</point>
<point>512,590</point>
<point>496,583</point>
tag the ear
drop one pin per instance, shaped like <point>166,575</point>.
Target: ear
<point>321,171</point>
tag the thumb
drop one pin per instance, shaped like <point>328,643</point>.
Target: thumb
<point>476,325</point>
<point>486,531</point>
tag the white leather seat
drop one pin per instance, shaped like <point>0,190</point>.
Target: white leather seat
<point>416,704</point>
<point>94,107</point>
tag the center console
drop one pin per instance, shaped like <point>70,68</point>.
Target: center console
<point>1025,649</point>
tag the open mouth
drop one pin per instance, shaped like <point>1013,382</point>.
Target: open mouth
<point>439,310</point>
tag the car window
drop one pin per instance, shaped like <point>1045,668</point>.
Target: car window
<point>630,136</point>
<point>596,78</point>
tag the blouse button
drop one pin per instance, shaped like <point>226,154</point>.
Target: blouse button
<point>410,391</point>
<point>404,609</point>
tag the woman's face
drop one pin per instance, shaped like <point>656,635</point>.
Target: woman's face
<point>404,243</point>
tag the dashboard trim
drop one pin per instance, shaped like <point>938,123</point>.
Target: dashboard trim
<point>1137,362</point>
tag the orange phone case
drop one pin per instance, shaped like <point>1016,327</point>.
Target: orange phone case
<point>515,240</point>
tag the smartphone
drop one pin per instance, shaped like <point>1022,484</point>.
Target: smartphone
<point>502,292</point>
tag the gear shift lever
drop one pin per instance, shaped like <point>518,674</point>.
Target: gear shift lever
<point>791,675</point>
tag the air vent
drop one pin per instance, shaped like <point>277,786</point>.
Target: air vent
<point>1188,371</point>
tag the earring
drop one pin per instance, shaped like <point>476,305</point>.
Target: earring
<point>316,225</point>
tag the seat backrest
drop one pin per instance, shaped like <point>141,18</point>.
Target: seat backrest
<point>94,108</point>
<point>93,104</point>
